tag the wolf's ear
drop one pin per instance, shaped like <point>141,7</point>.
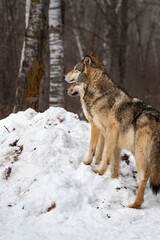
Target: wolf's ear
<point>92,54</point>
<point>87,60</point>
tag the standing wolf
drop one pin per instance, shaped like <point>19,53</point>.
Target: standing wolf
<point>125,123</point>
<point>97,139</point>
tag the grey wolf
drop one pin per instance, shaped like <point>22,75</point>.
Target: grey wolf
<point>125,122</point>
<point>96,139</point>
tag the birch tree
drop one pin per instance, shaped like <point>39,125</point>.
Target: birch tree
<point>56,90</point>
<point>31,70</point>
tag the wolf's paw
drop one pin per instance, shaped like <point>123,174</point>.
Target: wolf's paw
<point>89,159</point>
<point>98,171</point>
<point>87,162</point>
<point>114,175</point>
<point>135,205</point>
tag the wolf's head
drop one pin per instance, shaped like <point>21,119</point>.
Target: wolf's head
<point>79,87</point>
<point>89,60</point>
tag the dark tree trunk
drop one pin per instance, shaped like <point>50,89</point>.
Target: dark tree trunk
<point>11,39</point>
<point>113,35</point>
<point>123,41</point>
<point>32,70</point>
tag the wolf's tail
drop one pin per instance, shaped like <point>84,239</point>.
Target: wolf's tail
<point>155,167</point>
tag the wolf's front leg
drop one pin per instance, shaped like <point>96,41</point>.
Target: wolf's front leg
<point>110,143</point>
<point>93,143</point>
<point>104,163</point>
<point>99,149</point>
<point>115,162</point>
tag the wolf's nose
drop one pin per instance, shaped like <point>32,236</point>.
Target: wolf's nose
<point>66,89</point>
<point>64,76</point>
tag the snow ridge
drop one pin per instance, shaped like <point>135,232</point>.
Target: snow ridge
<point>48,193</point>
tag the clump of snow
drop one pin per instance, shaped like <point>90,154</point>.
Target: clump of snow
<point>46,192</point>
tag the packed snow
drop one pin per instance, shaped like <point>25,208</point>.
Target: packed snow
<point>47,192</point>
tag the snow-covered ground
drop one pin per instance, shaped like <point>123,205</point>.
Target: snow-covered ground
<point>47,193</point>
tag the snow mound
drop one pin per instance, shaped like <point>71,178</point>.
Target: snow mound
<point>48,193</point>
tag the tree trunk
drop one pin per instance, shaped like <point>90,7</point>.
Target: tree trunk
<point>32,69</point>
<point>44,86</point>
<point>11,40</point>
<point>113,35</point>
<point>123,41</point>
<point>76,35</point>
<point>56,91</point>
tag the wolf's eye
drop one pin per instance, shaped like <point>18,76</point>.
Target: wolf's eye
<point>75,68</point>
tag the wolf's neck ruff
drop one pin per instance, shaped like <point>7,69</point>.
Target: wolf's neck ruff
<point>100,88</point>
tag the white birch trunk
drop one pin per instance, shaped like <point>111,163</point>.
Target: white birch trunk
<point>27,10</point>
<point>56,90</point>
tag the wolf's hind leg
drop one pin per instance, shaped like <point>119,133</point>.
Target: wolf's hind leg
<point>143,178</point>
<point>142,152</point>
<point>99,149</point>
<point>93,143</point>
<point>143,173</point>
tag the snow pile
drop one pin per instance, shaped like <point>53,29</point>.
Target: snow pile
<point>46,192</point>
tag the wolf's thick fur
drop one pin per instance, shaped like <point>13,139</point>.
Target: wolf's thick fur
<point>125,123</point>
<point>97,139</point>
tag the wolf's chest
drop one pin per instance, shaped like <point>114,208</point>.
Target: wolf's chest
<point>85,110</point>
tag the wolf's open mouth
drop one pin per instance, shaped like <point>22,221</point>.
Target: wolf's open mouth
<point>72,80</point>
<point>73,94</point>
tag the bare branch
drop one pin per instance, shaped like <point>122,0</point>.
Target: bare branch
<point>7,129</point>
<point>138,14</point>
<point>149,41</point>
<point>79,45</point>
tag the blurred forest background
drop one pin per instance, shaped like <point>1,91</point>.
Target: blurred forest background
<point>41,40</point>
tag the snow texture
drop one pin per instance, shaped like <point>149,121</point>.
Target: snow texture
<point>47,192</point>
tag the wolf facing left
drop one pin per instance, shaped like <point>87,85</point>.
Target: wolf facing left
<point>97,139</point>
<point>125,122</point>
